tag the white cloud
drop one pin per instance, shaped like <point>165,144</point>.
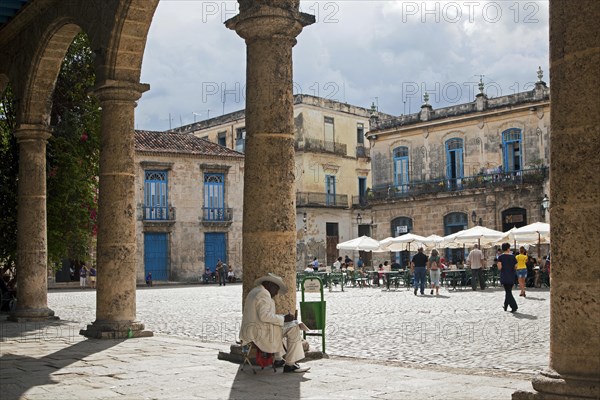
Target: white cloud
<point>356,51</point>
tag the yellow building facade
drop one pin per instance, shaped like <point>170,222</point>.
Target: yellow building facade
<point>332,169</point>
<point>480,163</point>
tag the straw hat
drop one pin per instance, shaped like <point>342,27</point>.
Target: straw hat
<point>274,279</point>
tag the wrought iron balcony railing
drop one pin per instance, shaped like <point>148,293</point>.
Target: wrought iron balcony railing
<point>479,181</point>
<point>322,146</point>
<point>363,152</point>
<point>162,213</point>
<point>304,199</point>
<point>217,214</point>
<point>360,201</point>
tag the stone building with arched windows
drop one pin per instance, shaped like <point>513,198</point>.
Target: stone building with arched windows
<point>480,163</point>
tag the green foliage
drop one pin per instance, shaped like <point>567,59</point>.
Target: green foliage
<point>73,154</point>
<point>72,163</point>
<point>9,165</point>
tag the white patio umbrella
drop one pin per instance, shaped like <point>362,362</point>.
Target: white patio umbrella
<point>539,230</point>
<point>363,243</point>
<point>382,248</point>
<point>478,235</point>
<point>449,242</point>
<point>433,242</point>
<point>403,242</point>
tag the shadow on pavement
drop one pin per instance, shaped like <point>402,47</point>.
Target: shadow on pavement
<point>520,315</point>
<point>38,330</point>
<point>266,384</point>
<point>21,373</point>
<point>535,298</point>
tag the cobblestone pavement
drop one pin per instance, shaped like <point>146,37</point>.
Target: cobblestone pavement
<point>459,329</point>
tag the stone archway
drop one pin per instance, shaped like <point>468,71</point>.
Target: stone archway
<point>117,30</point>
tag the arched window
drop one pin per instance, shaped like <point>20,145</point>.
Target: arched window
<point>155,195</point>
<point>214,197</point>
<point>454,163</point>
<point>401,172</point>
<point>511,149</point>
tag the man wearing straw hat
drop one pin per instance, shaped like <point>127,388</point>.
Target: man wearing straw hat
<point>262,326</point>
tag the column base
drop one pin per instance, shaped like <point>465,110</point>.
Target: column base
<point>115,330</point>
<point>549,385</point>
<point>32,315</point>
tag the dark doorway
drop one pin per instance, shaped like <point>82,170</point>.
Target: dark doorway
<point>513,217</point>
<point>332,241</point>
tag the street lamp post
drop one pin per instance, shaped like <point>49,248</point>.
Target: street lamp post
<point>544,205</point>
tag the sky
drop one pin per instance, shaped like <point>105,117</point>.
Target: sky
<point>358,52</point>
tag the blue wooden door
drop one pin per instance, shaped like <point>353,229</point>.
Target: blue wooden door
<point>214,249</point>
<point>156,255</point>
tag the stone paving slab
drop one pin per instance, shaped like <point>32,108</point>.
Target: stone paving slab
<point>381,345</point>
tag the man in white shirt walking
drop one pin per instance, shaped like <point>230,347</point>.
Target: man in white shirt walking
<point>476,260</point>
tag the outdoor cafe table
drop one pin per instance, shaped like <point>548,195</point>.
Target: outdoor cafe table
<point>454,275</point>
<point>389,275</point>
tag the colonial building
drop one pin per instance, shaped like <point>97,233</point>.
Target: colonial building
<point>332,168</point>
<point>480,163</point>
<point>189,206</point>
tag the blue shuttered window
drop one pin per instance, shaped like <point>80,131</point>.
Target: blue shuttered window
<point>454,163</point>
<point>214,197</point>
<point>156,205</point>
<point>511,147</point>
<point>401,172</point>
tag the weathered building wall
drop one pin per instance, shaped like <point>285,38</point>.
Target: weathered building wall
<point>482,135</point>
<point>186,196</point>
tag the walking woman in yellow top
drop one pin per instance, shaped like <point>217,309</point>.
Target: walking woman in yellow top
<point>522,269</point>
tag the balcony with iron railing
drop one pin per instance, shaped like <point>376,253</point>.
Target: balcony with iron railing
<point>216,216</point>
<point>321,146</point>
<point>317,199</point>
<point>363,152</point>
<point>360,201</point>
<point>534,176</point>
<point>158,213</point>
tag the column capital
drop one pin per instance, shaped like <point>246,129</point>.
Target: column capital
<point>30,132</point>
<point>265,22</point>
<point>111,90</point>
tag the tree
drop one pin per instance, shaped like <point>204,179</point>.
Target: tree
<point>72,162</point>
<point>9,166</point>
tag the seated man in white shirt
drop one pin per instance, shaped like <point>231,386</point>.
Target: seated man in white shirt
<point>262,326</point>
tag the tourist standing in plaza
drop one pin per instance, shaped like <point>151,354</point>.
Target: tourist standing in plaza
<point>476,261</point>
<point>315,264</point>
<point>93,277</point>
<point>506,265</point>
<point>221,272</point>
<point>83,276</point>
<point>522,269</point>
<point>419,270</point>
<point>435,271</point>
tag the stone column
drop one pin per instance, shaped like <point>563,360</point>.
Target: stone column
<point>116,251</point>
<point>269,224</point>
<point>32,242</point>
<point>574,370</point>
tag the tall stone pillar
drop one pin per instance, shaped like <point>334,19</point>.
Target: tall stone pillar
<point>32,242</point>
<point>269,225</point>
<point>116,251</point>
<point>574,370</point>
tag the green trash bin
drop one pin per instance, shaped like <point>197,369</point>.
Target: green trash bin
<point>313,314</point>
